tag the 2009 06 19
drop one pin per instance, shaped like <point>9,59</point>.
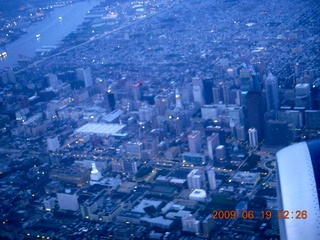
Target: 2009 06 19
<point>265,214</point>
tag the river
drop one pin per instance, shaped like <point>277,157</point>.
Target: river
<point>52,29</point>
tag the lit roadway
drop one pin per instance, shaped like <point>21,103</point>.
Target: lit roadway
<point>91,40</point>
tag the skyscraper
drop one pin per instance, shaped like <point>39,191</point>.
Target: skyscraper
<point>213,142</point>
<point>136,91</point>
<point>298,190</point>
<point>195,179</point>
<point>197,94</point>
<point>84,74</point>
<point>272,93</point>
<point>255,110</point>
<point>95,174</point>
<point>194,140</point>
<point>253,137</point>
<point>178,100</point>
<point>207,90</point>
<point>212,179</point>
<point>246,81</point>
<point>216,92</point>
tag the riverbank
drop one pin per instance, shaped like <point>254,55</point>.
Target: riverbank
<point>56,24</point>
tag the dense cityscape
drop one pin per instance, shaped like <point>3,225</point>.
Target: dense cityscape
<point>156,119</point>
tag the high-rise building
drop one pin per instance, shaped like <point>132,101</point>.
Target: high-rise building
<point>240,132</point>
<point>216,91</point>
<point>163,101</point>
<point>226,94</point>
<point>95,175</point>
<point>246,80</point>
<point>221,152</point>
<point>213,142</point>
<point>194,140</point>
<point>255,110</point>
<point>178,100</point>
<point>235,95</point>
<point>253,137</point>
<point>210,112</point>
<point>303,95</point>
<point>134,149</point>
<point>195,179</point>
<point>212,179</point>
<point>136,90</point>
<point>277,133</point>
<point>298,191</point>
<point>52,80</point>
<point>130,166</point>
<point>235,114</point>
<point>207,90</point>
<point>272,93</point>
<point>197,95</point>
<point>190,224</point>
<point>295,117</point>
<point>146,113</point>
<point>110,101</point>
<point>84,74</point>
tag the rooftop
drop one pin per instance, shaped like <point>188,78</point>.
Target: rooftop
<point>103,129</point>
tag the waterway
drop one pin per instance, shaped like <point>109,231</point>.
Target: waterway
<point>52,30</point>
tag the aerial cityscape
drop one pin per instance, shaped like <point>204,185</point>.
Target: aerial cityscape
<point>160,119</point>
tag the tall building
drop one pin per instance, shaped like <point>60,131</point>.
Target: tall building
<point>137,92</point>
<point>146,113</point>
<point>221,152</point>
<point>255,111</point>
<point>216,91</point>
<point>303,95</point>
<point>197,95</point>
<point>190,224</point>
<point>213,142</point>
<point>226,94</point>
<point>163,101</point>
<point>134,149</point>
<point>194,140</point>
<point>272,93</point>
<point>235,114</point>
<point>277,133</point>
<point>298,191</point>
<point>240,132</point>
<point>52,80</point>
<point>195,179</point>
<point>253,137</point>
<point>212,179</point>
<point>129,166</point>
<point>246,80</point>
<point>110,101</point>
<point>207,90</point>
<point>84,74</point>
<point>178,100</point>
<point>95,175</point>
